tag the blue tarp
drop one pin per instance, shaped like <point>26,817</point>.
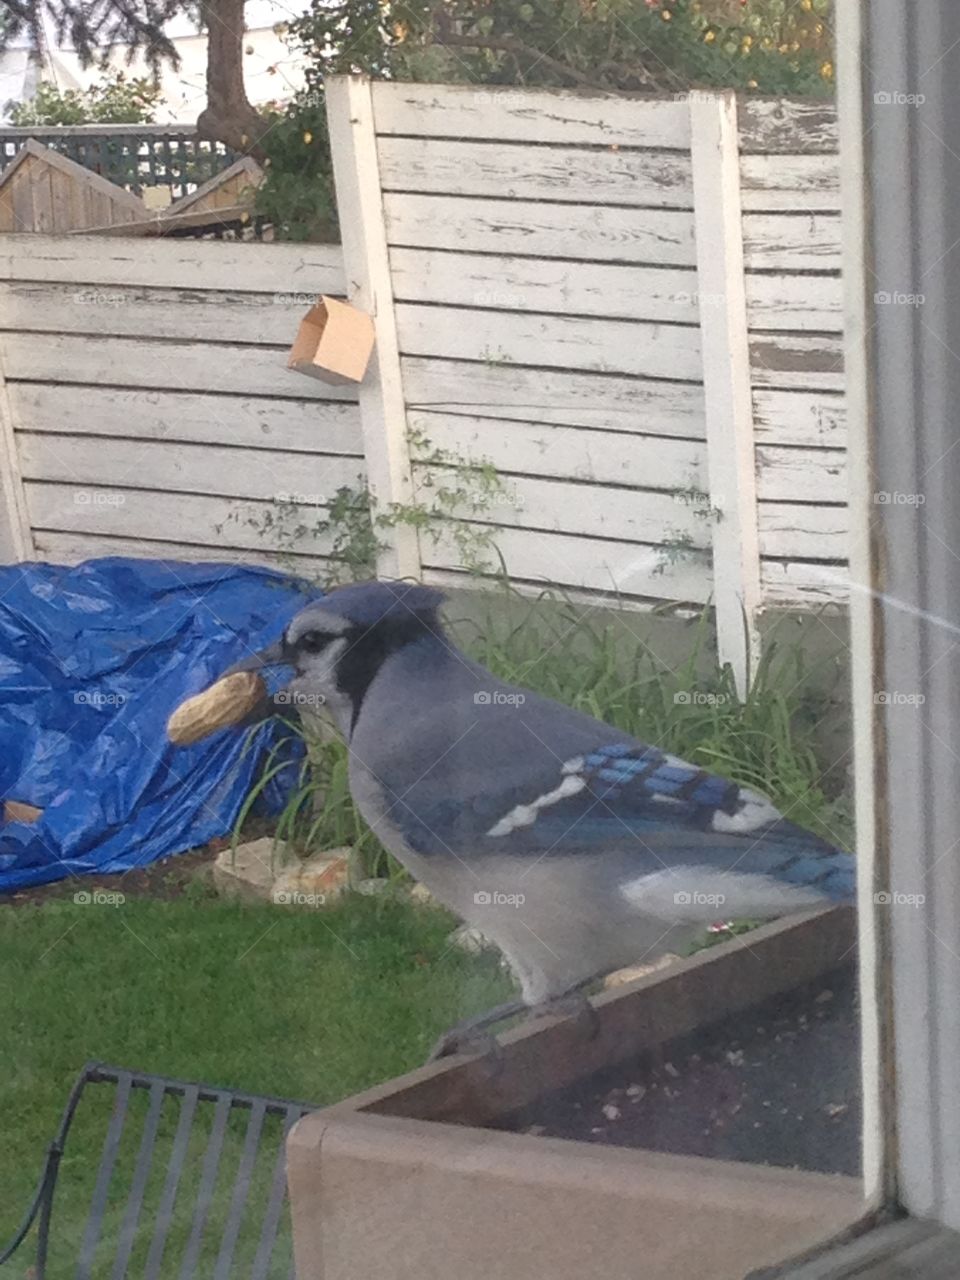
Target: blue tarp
<point>93,659</point>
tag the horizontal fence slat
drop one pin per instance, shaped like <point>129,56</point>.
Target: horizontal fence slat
<point>85,463</point>
<point>658,179</point>
<point>659,237</point>
<point>137,362</point>
<point>591,563</point>
<point>791,242</point>
<point>72,548</point>
<point>790,302</point>
<point>303,426</point>
<point>790,182</point>
<point>798,531</point>
<point>557,506</point>
<point>536,284</point>
<point>560,397</point>
<point>163,517</point>
<point>607,457</point>
<point>191,315</point>
<point>789,584</point>
<point>816,418</point>
<point>183,264</point>
<point>788,125</point>
<point>548,116</point>
<point>808,363</point>
<point>565,342</point>
<point>801,475</point>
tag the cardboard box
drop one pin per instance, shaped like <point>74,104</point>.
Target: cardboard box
<point>334,342</point>
<point>16,811</point>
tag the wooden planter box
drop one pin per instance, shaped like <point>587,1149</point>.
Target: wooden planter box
<point>405,1182</point>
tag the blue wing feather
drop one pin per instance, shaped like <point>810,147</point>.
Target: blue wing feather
<point>637,797</point>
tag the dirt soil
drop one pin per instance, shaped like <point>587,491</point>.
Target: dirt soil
<point>777,1085</point>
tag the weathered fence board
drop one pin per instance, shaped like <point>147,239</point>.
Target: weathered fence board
<point>597,564</point>
<point>532,448</point>
<point>804,182</point>
<point>211,522</point>
<point>659,179</point>
<point>554,396</point>
<point>210,418</point>
<point>138,362</point>
<point>654,237</point>
<point>83,462</point>
<point>552,341</point>
<point>553,116</point>
<point>195,315</point>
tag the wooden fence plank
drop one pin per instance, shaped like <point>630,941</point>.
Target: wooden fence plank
<point>15,540</point>
<point>658,237</point>
<point>136,362</point>
<point>803,531</point>
<point>162,517</point>
<point>564,342</point>
<point>539,284</point>
<point>593,563</point>
<point>788,125</point>
<point>72,548</point>
<point>554,396</point>
<point>793,302</point>
<point>658,179</point>
<point>302,426</point>
<point>349,106</point>
<point>558,506</point>
<point>791,241</point>
<point>790,182</point>
<point>813,363</point>
<point>531,448</point>
<point>815,418</point>
<point>801,475</point>
<point>792,585</point>
<point>510,114</point>
<point>195,315</point>
<point>304,269</point>
<point>726,379</point>
<point>84,462</point>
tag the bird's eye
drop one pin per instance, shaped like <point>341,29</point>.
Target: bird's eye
<point>313,641</point>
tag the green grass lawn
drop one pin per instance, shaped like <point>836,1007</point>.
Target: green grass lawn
<point>300,1003</point>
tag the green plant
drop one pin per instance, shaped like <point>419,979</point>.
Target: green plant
<point>450,490</point>
<point>117,99</point>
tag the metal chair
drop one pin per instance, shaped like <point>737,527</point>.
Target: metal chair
<point>263,1140</point>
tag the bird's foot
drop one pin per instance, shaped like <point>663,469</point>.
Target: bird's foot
<point>473,1034</point>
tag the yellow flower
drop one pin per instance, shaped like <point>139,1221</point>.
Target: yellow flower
<point>827,71</point>
<point>666,15</point>
<point>307,138</point>
<point>819,28</point>
<point>806,5</point>
<point>751,84</point>
<point>766,43</point>
<point>710,37</point>
<point>746,42</point>
<point>784,48</point>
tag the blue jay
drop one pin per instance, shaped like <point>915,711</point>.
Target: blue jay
<point>573,846</point>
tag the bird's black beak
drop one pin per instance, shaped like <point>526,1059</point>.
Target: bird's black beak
<point>277,655</point>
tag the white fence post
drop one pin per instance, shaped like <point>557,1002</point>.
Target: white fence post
<point>366,262</point>
<point>731,467</point>
<point>16,539</point>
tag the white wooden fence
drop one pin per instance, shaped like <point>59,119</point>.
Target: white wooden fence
<point>632,307</point>
<point>148,407</point>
